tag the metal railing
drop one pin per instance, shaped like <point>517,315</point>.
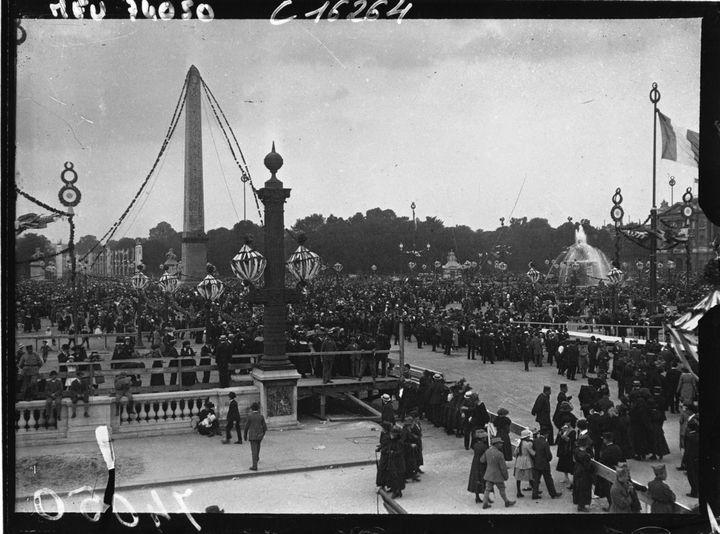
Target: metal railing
<point>602,328</point>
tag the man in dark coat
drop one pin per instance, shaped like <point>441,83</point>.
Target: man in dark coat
<point>387,414</point>
<point>255,428</point>
<point>328,345</point>
<point>572,354</point>
<point>223,354</point>
<point>437,391</point>
<point>541,466</point>
<point>672,378</point>
<point>233,418</point>
<point>541,411</point>
<point>691,457</point>
<point>610,455</point>
<point>205,352</point>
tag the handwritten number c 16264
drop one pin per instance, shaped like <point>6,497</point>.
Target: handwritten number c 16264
<point>354,13</point>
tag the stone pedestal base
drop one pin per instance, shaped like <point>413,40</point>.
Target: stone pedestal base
<point>278,396</point>
<point>37,270</point>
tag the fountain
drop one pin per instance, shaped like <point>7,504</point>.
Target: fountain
<point>583,264</point>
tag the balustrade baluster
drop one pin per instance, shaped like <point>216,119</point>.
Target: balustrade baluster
<point>186,409</point>
<point>161,411</point>
<point>31,421</point>
<point>42,421</point>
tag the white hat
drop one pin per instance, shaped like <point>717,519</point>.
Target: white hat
<point>526,433</point>
<point>468,393</point>
<point>385,397</point>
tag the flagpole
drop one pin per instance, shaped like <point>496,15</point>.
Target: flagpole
<point>652,308</point>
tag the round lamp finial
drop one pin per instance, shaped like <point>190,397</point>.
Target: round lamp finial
<point>273,161</point>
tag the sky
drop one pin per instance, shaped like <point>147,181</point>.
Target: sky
<point>472,120</point>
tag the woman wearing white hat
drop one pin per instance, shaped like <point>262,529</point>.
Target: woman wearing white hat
<point>524,462</point>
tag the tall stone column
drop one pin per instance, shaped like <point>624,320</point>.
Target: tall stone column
<point>275,376</point>
<point>194,240</point>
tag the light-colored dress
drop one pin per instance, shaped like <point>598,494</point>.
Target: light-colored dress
<point>524,461</point>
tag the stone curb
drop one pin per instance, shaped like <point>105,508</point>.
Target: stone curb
<point>226,476</point>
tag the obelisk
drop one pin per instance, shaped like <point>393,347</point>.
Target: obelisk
<point>194,240</point>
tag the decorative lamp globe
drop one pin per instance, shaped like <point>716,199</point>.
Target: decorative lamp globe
<point>373,267</point>
<point>437,264</point>
<point>412,265</point>
<point>467,264</point>
<point>248,264</point>
<point>139,280</point>
<point>210,288</point>
<point>615,276</point>
<point>168,282</point>
<point>639,264</point>
<point>533,274</point>
<point>303,264</point>
<point>338,267</point>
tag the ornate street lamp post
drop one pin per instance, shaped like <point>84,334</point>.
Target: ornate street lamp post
<point>533,274</point>
<point>139,282</point>
<point>639,265</point>
<point>210,289</point>
<point>69,196</point>
<point>615,278</point>
<point>275,376</point>
<point>168,284</point>
<point>687,212</point>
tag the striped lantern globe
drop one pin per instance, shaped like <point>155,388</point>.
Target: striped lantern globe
<point>303,264</point>
<point>139,280</point>
<point>248,264</point>
<point>168,282</point>
<point>210,288</point>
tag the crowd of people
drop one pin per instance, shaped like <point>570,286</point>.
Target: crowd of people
<point>487,321</point>
<point>650,383</point>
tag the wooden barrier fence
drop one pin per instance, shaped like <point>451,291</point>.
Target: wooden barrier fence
<point>141,367</point>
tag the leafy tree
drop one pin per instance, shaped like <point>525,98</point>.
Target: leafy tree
<point>162,232</point>
<point>85,243</point>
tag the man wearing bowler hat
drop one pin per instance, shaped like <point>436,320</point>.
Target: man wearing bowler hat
<point>233,418</point>
<point>255,429</point>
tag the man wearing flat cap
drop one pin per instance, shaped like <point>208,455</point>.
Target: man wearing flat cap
<point>663,498</point>
<point>496,472</point>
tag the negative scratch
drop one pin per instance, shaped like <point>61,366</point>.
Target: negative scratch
<point>56,100</point>
<point>72,130</point>
<point>89,43</point>
<point>323,45</point>
<point>86,120</point>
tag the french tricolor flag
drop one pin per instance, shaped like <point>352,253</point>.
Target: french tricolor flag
<point>679,144</point>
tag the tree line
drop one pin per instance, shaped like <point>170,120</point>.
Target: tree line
<point>373,238</point>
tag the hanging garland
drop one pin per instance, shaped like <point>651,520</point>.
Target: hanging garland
<point>53,210</point>
<point>245,171</point>
<point>171,130</point>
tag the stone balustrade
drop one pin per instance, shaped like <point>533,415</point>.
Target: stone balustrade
<point>151,414</point>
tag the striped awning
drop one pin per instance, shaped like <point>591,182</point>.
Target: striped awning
<point>689,321</point>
